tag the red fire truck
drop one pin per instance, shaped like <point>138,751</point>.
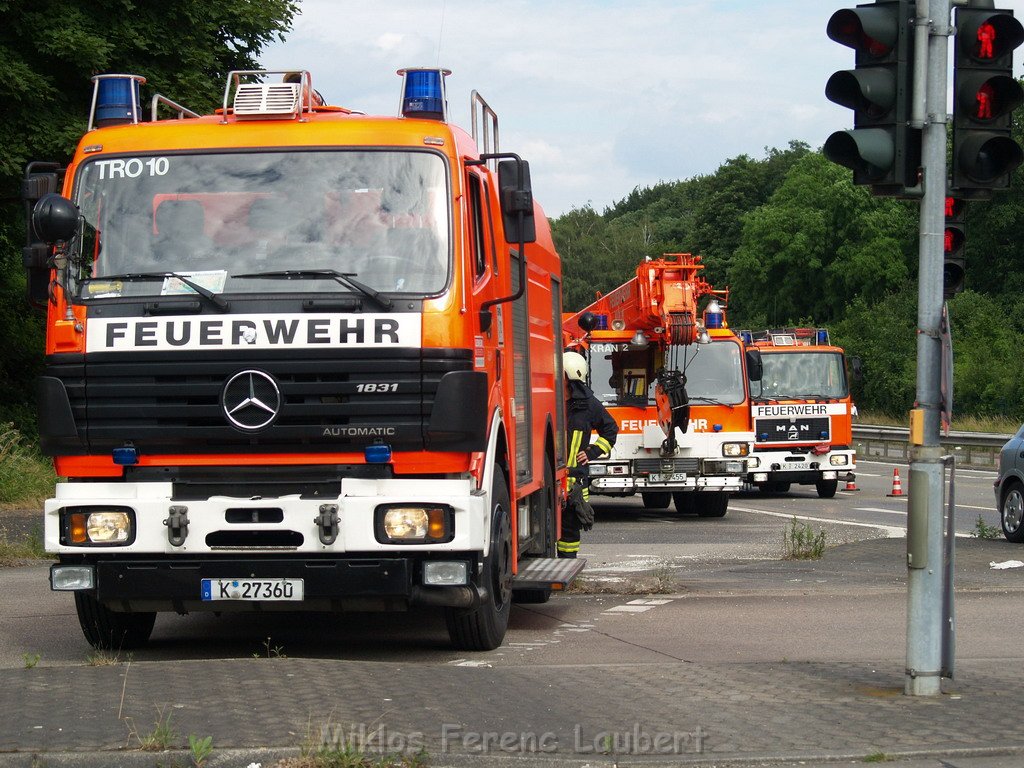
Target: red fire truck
<point>802,412</point>
<point>298,358</point>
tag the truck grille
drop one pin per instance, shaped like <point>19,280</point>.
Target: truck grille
<point>166,404</point>
<point>664,466</point>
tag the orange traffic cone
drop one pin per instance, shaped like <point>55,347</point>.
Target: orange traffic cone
<point>851,482</point>
<point>897,487</point>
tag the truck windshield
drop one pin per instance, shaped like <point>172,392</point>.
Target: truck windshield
<point>800,375</point>
<point>714,372</point>
<point>380,216</point>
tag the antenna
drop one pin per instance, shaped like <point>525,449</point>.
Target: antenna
<point>440,33</point>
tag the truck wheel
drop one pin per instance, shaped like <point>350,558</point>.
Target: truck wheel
<point>656,500</point>
<point>549,537</point>
<point>110,630</point>
<point>826,488</point>
<point>483,628</point>
<point>779,486</point>
<point>684,501</point>
<point>714,504</point>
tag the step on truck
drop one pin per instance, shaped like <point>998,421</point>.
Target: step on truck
<point>675,378</point>
<point>802,412</point>
<point>297,358</point>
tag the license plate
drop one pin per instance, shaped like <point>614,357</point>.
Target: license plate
<point>794,465</point>
<point>675,477</point>
<point>252,589</point>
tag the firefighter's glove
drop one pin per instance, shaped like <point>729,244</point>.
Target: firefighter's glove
<point>580,507</point>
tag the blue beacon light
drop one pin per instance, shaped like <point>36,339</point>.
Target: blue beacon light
<point>713,315</point>
<point>423,93</point>
<point>115,100</point>
<point>823,336</point>
<point>125,456</point>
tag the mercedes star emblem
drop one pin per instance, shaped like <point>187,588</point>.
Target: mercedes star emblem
<point>251,400</point>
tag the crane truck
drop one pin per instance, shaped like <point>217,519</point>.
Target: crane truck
<point>297,358</point>
<point>676,381</point>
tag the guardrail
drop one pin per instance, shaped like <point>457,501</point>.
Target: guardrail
<point>972,449</point>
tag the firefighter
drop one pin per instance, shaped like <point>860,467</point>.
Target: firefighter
<point>584,415</point>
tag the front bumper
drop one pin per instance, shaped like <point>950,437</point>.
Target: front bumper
<point>625,485</point>
<point>355,582</point>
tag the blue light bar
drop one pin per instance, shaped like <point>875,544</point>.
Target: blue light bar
<point>823,336</point>
<point>126,455</point>
<point>115,100</point>
<point>713,315</point>
<point>377,454</point>
<point>602,323</point>
<point>423,93</point>
<point>747,337</point>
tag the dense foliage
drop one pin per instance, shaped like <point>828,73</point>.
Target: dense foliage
<point>48,52</point>
<point>796,242</point>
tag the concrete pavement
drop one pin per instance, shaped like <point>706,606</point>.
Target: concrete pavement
<point>747,663</point>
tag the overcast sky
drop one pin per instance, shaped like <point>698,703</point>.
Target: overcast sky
<point>600,96</point>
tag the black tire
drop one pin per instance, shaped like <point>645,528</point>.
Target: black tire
<point>548,535</point>
<point>779,487</point>
<point>656,499</point>
<point>711,504</point>
<point>110,630</point>
<point>1011,513</point>
<point>826,488</point>
<point>483,628</point>
<point>684,501</point>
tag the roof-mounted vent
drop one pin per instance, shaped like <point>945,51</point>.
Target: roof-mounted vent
<point>267,99</point>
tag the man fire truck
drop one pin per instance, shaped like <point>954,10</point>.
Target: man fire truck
<point>298,358</point>
<point>676,383</point>
<point>802,412</point>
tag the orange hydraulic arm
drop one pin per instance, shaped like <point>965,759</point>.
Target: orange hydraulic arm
<point>661,300</point>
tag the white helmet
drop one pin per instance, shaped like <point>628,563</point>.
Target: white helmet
<point>575,366</point>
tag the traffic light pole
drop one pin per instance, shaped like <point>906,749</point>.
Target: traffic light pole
<point>925,555</point>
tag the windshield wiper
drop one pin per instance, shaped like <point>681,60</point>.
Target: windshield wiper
<point>344,278</point>
<point>711,401</point>
<point>200,290</point>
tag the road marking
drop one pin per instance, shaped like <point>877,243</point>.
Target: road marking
<point>891,531</point>
<point>640,605</point>
<point>879,509</point>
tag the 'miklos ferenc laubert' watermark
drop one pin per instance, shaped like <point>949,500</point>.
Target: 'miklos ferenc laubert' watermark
<point>453,737</point>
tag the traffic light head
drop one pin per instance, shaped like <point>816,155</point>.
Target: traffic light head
<point>954,245</point>
<point>984,96</point>
<point>881,149</point>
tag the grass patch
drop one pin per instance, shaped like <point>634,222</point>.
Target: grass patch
<point>1000,425</point>
<point>19,551</point>
<point>800,542</point>
<point>26,477</point>
<point>983,530</point>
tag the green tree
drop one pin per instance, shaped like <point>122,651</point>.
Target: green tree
<point>48,52</point>
<point>818,243</point>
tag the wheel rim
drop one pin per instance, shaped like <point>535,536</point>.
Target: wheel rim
<point>501,576</point>
<point>1013,511</point>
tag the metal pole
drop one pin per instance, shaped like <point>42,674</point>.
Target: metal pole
<point>925,519</point>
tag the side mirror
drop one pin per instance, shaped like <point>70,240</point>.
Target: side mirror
<point>856,368</point>
<point>54,218</point>
<point>587,321</point>
<point>516,199</point>
<point>755,368</point>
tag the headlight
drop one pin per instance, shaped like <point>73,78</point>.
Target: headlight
<point>414,524</point>
<point>734,449</point>
<point>598,469</point>
<point>83,527</point>
<point>837,461</point>
<point>753,462</point>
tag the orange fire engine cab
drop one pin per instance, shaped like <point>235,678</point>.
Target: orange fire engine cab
<point>297,358</point>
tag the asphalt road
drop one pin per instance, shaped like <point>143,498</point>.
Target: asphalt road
<point>697,561</point>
